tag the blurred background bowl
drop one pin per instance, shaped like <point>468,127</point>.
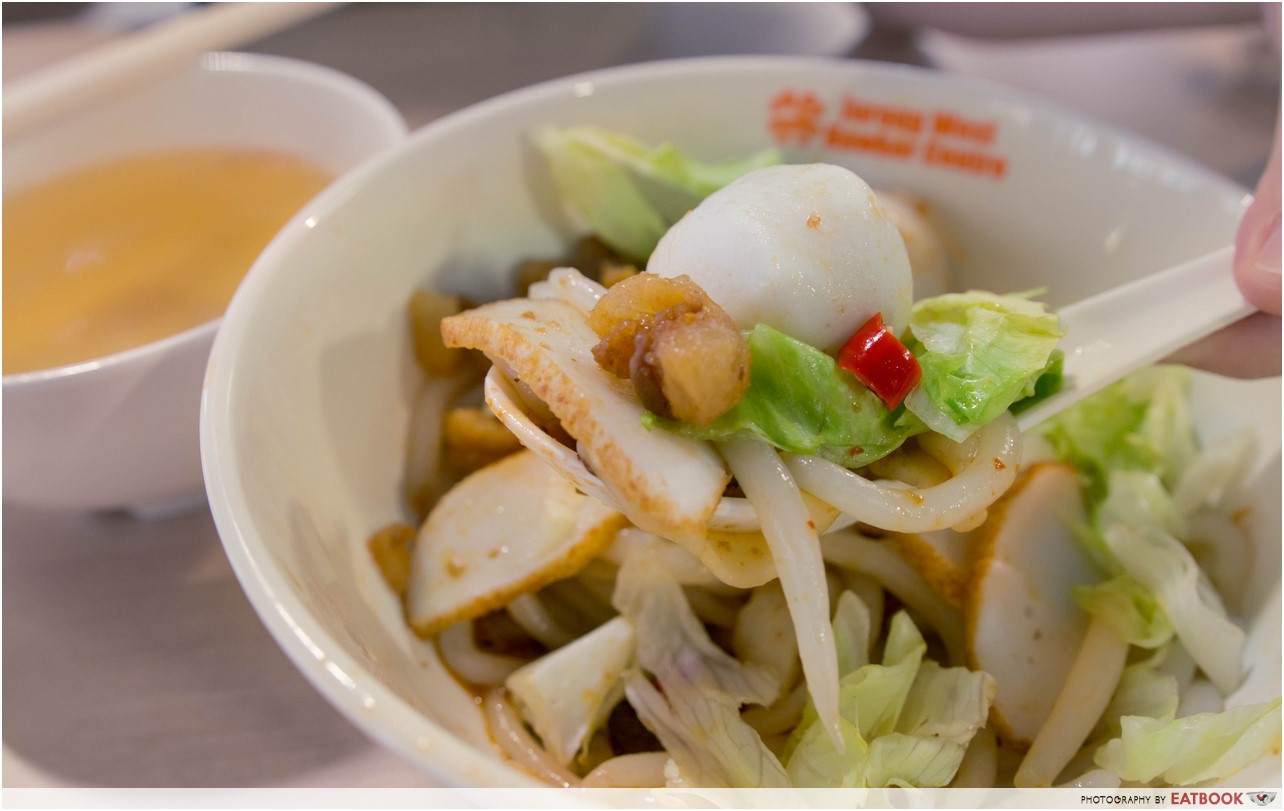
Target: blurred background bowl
<point>312,382</point>
<point>122,430</point>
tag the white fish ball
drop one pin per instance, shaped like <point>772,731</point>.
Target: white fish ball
<point>806,249</point>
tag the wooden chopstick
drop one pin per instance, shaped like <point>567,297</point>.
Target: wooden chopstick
<point>144,56</point>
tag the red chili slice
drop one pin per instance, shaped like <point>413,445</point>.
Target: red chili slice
<point>881,362</point>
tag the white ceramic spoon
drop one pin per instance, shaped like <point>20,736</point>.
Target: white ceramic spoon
<point>1107,336</point>
<point>1123,329</point>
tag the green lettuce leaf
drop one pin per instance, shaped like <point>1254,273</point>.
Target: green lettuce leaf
<point>568,694</point>
<point>912,761</point>
<point>597,171</point>
<point>1194,749</point>
<point>873,696</point>
<point>1048,382</point>
<point>703,733</point>
<point>851,633</point>
<point>669,636</point>
<point>1136,498</point>
<point>1129,608</point>
<point>1143,690</point>
<point>949,703</point>
<point>1161,564</point>
<point>905,721</point>
<point>996,350</point>
<point>944,709</point>
<point>695,712</point>
<point>1136,528</point>
<point>1134,443</point>
<point>980,353</point>
<point>1140,423</point>
<point>813,761</point>
<point>801,402</point>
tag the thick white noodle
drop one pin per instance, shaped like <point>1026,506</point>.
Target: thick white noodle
<point>971,490</point>
<point>423,442</point>
<point>511,737</point>
<point>639,770</point>
<point>685,567</point>
<point>1083,698</point>
<point>1200,696</point>
<point>985,466</point>
<point>469,662</point>
<point>912,465</point>
<point>850,550</point>
<point>954,455</point>
<point>528,612</point>
<point>1179,664</point>
<point>1097,778</point>
<point>870,592</point>
<point>795,549</point>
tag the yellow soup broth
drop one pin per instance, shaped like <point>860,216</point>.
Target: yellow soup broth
<point>123,253</point>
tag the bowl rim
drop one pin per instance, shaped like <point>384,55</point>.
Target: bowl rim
<point>313,649</point>
<point>381,114</point>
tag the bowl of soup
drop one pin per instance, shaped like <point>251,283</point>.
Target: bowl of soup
<point>128,228</point>
<point>322,411</point>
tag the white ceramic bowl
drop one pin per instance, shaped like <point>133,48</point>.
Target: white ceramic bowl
<point>122,430</point>
<point>311,381</point>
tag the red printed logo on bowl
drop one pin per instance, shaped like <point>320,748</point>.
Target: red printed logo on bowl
<point>935,137</point>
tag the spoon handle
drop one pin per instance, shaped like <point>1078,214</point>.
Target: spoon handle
<point>1121,330</point>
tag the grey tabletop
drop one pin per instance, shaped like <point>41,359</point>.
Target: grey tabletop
<point>131,656</point>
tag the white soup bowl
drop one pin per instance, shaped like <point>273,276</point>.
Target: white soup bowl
<point>122,430</point>
<point>312,382</point>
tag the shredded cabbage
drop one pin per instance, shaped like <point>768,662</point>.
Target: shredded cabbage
<point>696,710</point>
<point>1129,609</point>
<point>702,731</point>
<point>905,722</point>
<point>1143,690</point>
<point>1194,749</point>
<point>1137,525</point>
<point>1140,423</point>
<point>596,172</point>
<point>852,623</point>
<point>1137,498</point>
<point>670,638</point>
<point>1162,564</point>
<point>1134,443</point>
<point>980,353</point>
<point>1216,474</point>
<point>567,694</point>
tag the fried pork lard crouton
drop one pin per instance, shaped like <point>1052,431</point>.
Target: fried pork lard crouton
<point>682,352</point>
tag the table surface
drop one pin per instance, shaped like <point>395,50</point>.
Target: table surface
<point>131,656</point>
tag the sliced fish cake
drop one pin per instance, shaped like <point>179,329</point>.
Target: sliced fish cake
<point>477,551</point>
<point>1022,624</point>
<point>664,483</point>
<point>943,557</point>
